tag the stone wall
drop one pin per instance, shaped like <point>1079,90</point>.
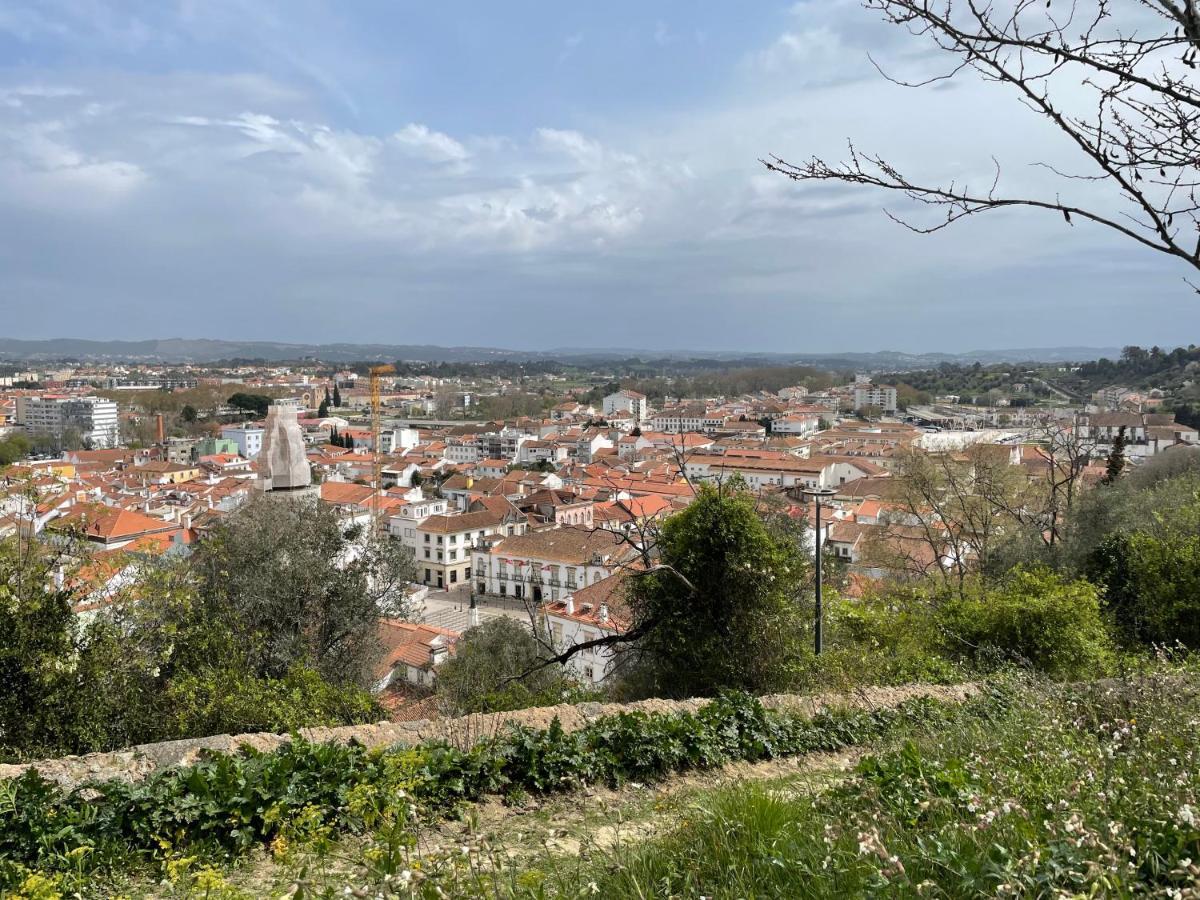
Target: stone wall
<point>138,762</point>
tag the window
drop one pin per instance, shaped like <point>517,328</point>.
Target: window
<point>439,539</point>
<point>427,539</point>
<point>589,673</point>
<point>454,539</point>
<point>439,554</point>
<point>409,532</point>
<point>454,576</point>
<point>454,554</point>
<point>427,553</point>
<point>427,573</point>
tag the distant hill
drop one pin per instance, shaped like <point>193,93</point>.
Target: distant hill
<point>182,350</point>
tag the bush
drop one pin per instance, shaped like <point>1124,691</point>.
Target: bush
<point>1152,586</point>
<point>884,638</point>
<point>1035,618</point>
<point>482,676</point>
<point>224,701</point>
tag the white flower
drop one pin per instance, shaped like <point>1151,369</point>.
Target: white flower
<point>405,876</point>
<point>1187,815</point>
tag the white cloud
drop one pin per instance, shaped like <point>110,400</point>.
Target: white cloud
<point>434,146</point>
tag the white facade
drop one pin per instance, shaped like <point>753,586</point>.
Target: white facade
<point>629,403</point>
<point>402,525</point>
<point>94,418</point>
<point>249,439</point>
<point>590,666</point>
<point>398,439</point>
<point>540,580</point>
<point>880,395</point>
<point>796,424</point>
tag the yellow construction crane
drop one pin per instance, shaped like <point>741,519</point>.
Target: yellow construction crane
<point>377,372</point>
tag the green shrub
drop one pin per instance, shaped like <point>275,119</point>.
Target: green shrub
<point>1032,617</point>
<point>223,701</point>
<point>1152,586</point>
<point>886,638</point>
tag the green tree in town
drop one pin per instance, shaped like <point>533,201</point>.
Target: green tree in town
<point>1152,585</point>
<point>323,409</point>
<point>300,589</point>
<point>719,610</point>
<point>485,674</point>
<point>254,403</point>
<point>337,397</point>
<point>1033,617</point>
<point>1116,458</point>
<point>13,448</point>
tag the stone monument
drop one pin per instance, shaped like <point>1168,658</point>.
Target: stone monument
<point>282,463</point>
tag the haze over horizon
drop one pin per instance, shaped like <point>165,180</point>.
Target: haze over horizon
<point>525,178</point>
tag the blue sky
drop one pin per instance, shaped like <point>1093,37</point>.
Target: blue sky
<point>522,174</point>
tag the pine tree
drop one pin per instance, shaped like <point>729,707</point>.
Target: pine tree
<point>1116,458</point>
<point>337,397</point>
<point>334,440</point>
<point>323,409</point>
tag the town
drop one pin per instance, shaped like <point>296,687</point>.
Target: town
<point>540,517</point>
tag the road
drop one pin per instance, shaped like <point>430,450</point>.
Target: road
<point>448,609</point>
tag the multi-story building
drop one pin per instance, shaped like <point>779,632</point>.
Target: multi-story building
<point>881,395</point>
<point>94,419</point>
<point>626,403</point>
<point>591,612</point>
<point>403,522</point>
<point>444,543</point>
<point>248,438</point>
<point>503,444</point>
<point>546,565</point>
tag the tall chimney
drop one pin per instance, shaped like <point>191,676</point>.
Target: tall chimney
<point>569,603</point>
<point>158,428</point>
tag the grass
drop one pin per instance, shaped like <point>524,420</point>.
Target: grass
<point>1068,792</point>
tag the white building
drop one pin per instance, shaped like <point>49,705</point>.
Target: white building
<point>881,395</point>
<point>94,419</point>
<point>796,423</point>
<point>403,523</point>
<point>249,439</point>
<point>547,565</point>
<point>626,403</point>
<point>595,611</point>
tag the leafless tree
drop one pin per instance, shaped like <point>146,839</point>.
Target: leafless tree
<point>1135,133</point>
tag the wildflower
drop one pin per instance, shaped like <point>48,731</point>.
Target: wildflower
<point>1187,815</point>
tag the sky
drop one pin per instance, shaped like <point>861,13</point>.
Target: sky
<point>528,175</point>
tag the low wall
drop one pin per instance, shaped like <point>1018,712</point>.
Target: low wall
<point>136,763</point>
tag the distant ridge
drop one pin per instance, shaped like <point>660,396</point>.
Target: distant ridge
<point>182,350</point>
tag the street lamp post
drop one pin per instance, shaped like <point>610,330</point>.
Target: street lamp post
<point>818,494</point>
